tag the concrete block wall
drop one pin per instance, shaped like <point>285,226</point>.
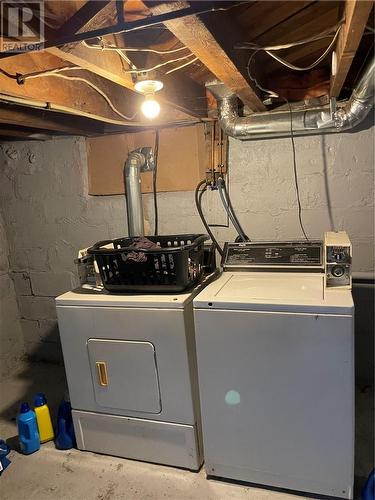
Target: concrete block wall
<point>49,215</point>
<point>11,340</point>
<point>336,180</point>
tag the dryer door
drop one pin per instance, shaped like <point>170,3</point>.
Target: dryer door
<point>124,375</point>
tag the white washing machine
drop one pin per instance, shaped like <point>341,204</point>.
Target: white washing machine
<point>131,369</point>
<point>275,347</point>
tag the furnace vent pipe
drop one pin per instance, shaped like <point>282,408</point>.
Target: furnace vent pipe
<point>139,160</point>
<point>316,120</point>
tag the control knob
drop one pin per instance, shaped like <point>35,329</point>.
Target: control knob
<point>338,271</point>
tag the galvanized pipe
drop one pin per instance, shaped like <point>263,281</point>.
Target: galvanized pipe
<point>306,121</point>
<point>132,175</point>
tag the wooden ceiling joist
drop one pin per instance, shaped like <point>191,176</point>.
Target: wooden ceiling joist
<point>210,36</point>
<point>66,96</point>
<point>47,121</point>
<point>9,133</point>
<point>88,13</point>
<point>356,15</point>
<point>259,17</point>
<point>194,34</point>
<point>109,65</point>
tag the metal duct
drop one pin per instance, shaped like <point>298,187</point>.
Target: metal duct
<point>316,120</point>
<point>139,160</point>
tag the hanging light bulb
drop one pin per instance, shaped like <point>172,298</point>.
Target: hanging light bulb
<point>150,106</point>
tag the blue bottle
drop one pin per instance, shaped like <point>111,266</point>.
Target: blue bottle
<point>27,430</point>
<point>65,437</point>
<point>368,491</point>
<point>4,451</point>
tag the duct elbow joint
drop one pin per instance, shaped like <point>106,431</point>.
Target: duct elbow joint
<point>228,115</point>
<point>134,161</point>
<point>352,115</point>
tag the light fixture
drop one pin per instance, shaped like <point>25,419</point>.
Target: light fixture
<point>334,63</point>
<point>150,106</point>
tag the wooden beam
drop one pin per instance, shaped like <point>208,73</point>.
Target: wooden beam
<point>64,95</point>
<point>76,98</point>
<point>48,121</point>
<point>82,17</point>
<point>9,133</point>
<point>180,92</point>
<point>318,16</point>
<point>356,15</point>
<point>259,17</point>
<point>109,66</point>
<point>194,34</point>
<point>105,64</point>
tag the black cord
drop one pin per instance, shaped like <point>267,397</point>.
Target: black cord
<point>271,93</point>
<point>244,236</point>
<point>274,94</point>
<point>154,179</point>
<point>295,171</point>
<point>16,76</point>
<point>198,204</point>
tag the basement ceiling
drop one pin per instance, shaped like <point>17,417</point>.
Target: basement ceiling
<point>103,45</point>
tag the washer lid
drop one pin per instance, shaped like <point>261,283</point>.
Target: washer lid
<point>297,292</point>
<point>90,296</point>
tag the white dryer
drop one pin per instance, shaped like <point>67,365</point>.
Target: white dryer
<point>131,369</point>
<point>275,349</point>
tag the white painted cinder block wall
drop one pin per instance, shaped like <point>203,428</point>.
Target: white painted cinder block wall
<point>11,338</point>
<point>49,216</point>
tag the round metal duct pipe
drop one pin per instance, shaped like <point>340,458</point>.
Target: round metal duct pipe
<point>139,160</point>
<point>306,121</point>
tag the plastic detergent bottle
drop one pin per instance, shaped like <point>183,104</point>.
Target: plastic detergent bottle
<point>65,438</point>
<point>27,430</point>
<point>368,490</point>
<point>43,418</point>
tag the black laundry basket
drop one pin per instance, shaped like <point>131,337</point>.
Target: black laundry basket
<point>173,267</point>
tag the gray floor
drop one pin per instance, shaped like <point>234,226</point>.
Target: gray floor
<point>51,473</point>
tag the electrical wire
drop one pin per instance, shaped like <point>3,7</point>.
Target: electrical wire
<point>270,92</point>
<point>320,36</point>
<point>269,51</point>
<point>274,94</point>
<point>9,75</point>
<point>27,76</point>
<point>182,65</point>
<point>198,203</point>
<point>133,49</point>
<point>154,179</point>
<point>90,84</point>
<point>122,53</point>
<point>55,71</point>
<point>157,66</point>
<point>126,59</point>
<point>295,172</point>
<point>310,66</point>
<point>49,72</point>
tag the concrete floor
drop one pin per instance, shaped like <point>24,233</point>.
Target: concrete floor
<point>76,475</point>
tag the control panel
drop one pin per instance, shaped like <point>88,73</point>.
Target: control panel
<point>338,259</point>
<point>274,255</point>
